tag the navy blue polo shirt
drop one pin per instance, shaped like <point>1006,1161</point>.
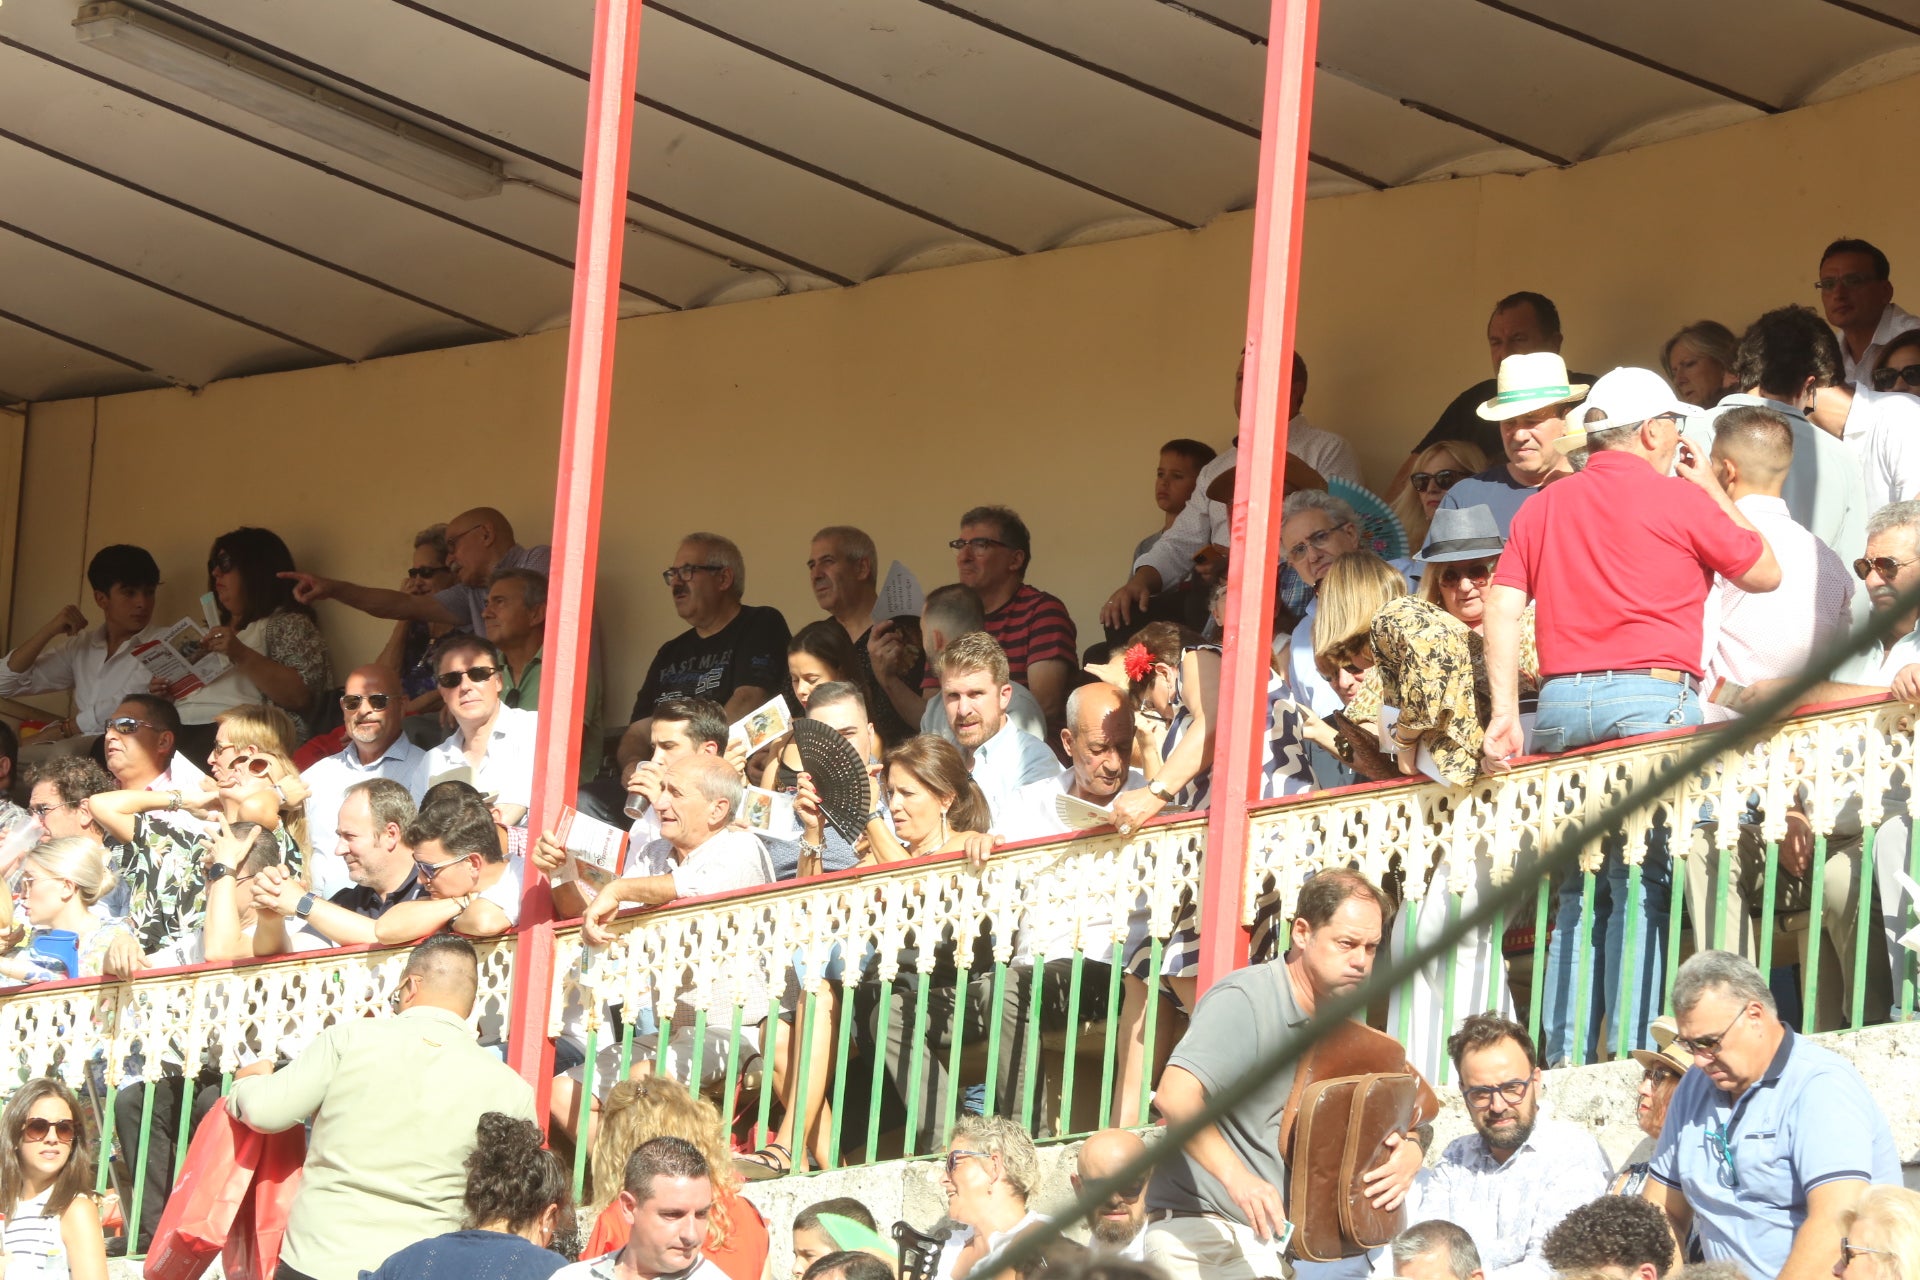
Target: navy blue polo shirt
<point>1746,1165</point>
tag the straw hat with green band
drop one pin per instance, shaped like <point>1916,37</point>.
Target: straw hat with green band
<point>1529,382</point>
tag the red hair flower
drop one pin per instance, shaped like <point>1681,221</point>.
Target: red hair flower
<point>1139,662</point>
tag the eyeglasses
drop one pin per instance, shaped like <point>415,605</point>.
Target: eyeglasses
<point>420,571</point>
<point>1720,1146</point>
<point>1883,379</point>
<point>1480,1096</point>
<point>1707,1046</point>
<point>41,811</point>
<point>1318,541</point>
<point>955,1156</point>
<point>37,1128</point>
<point>685,572</point>
<point>452,679</point>
<point>1445,480</point>
<point>428,870</point>
<point>127,724</point>
<point>378,701</point>
<point>1885,566</point>
<point>453,539</point>
<point>222,563</point>
<point>1849,1250</point>
<point>1851,280</point>
<point>978,544</point>
<point>1478,571</point>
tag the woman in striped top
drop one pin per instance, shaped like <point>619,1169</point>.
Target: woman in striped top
<point>46,1187</point>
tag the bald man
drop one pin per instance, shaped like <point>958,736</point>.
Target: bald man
<point>1119,1224</point>
<point>373,709</point>
<point>1098,738</point>
<point>479,542</point>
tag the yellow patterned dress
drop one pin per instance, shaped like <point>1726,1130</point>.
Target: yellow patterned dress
<point>1434,669</point>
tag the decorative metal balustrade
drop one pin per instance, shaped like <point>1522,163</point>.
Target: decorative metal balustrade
<point>937,959</point>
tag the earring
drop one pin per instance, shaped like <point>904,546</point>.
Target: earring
<point>943,826</point>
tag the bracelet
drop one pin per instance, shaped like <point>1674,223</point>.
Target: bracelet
<point>173,801</point>
<point>816,850</point>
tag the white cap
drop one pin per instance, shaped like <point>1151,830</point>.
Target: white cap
<point>1628,397</point>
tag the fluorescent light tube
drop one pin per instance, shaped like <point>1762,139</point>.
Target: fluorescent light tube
<point>239,80</point>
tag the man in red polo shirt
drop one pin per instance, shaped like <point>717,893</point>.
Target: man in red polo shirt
<point>1619,559</point>
<point>992,555</point>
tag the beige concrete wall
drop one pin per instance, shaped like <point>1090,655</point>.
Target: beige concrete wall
<point>1045,383</point>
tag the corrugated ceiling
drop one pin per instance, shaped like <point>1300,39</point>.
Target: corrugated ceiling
<point>151,234</point>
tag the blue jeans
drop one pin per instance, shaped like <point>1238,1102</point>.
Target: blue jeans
<point>1578,711</point>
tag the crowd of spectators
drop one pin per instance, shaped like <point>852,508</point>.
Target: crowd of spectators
<point>1592,558</point>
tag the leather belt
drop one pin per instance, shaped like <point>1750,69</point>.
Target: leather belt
<point>1667,674</point>
<point>1161,1215</point>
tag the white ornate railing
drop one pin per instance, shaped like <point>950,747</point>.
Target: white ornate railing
<point>230,1013</point>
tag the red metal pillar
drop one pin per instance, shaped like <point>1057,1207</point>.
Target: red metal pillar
<point>1279,210</point>
<point>576,506</point>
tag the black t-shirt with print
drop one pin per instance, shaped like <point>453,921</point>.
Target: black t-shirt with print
<point>751,650</point>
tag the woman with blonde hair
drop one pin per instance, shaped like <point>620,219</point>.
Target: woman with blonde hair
<point>638,1111</point>
<point>60,882</point>
<point>1882,1240</point>
<point>1436,469</point>
<point>1357,587</point>
<point>169,832</point>
<point>259,737</point>
<point>1699,362</point>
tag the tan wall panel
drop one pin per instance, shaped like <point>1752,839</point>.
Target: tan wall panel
<point>1044,382</point>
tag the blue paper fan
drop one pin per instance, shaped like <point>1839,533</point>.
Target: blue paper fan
<point>1384,536</point>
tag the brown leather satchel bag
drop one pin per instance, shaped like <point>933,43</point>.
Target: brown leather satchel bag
<point>1351,1091</point>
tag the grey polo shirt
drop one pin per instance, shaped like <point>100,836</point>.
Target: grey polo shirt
<point>1747,1164</point>
<point>1242,1018</point>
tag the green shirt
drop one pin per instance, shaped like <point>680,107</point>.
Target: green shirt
<point>395,1105</point>
<point>523,692</point>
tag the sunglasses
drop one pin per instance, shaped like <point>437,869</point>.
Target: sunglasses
<point>428,870</point>
<point>1707,1046</point>
<point>379,701</point>
<point>451,679</point>
<point>255,765</point>
<point>127,724</point>
<point>1883,379</point>
<point>37,1129</point>
<point>1849,1251</point>
<point>1424,480</point>
<point>222,563</point>
<point>420,571</point>
<point>977,544</point>
<point>1885,566</point>
<point>1475,571</point>
<point>954,1158</point>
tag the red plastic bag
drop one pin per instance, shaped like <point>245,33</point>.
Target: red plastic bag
<point>206,1199</point>
<point>253,1246</point>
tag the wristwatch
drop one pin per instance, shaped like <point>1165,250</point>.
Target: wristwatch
<point>304,907</point>
<point>217,872</point>
<point>1159,791</point>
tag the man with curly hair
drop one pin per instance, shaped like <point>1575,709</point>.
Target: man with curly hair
<point>1621,1237</point>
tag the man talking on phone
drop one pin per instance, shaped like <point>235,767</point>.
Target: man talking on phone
<point>1618,560</point>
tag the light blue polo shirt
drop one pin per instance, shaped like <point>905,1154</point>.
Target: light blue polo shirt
<point>1808,1121</point>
